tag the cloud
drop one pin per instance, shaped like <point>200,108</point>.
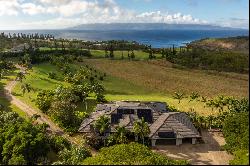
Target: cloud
<point>234,22</point>
<point>53,2</point>
<point>64,13</point>
<point>32,9</point>
<point>159,17</point>
<point>9,7</point>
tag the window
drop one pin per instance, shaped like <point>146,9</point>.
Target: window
<point>167,134</point>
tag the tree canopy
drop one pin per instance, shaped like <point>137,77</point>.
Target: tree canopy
<point>130,154</point>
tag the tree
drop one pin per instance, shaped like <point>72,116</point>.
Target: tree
<point>98,89</point>
<point>130,154</point>
<point>121,133</point>
<point>26,87</point>
<point>119,137</point>
<point>141,129</point>
<point>44,100</point>
<point>178,96</point>
<point>73,156</point>
<point>64,113</point>
<point>194,96</point>
<point>52,75</point>
<point>26,59</point>
<point>20,76</point>
<point>102,124</point>
<point>132,55</point>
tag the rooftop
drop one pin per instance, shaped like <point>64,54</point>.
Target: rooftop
<point>160,120</point>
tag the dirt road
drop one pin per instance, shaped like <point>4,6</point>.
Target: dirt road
<point>31,111</point>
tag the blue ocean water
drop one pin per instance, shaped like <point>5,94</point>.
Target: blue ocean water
<point>156,38</point>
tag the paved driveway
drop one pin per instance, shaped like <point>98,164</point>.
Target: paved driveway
<point>200,154</point>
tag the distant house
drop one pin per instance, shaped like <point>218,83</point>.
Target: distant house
<point>164,126</point>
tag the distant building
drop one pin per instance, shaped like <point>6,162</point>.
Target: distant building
<point>164,126</point>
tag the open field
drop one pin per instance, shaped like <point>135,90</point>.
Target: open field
<point>138,80</point>
<point>160,76</point>
<point>139,55</point>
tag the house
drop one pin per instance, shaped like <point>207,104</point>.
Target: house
<point>164,125</point>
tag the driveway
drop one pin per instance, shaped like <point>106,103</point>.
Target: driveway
<point>200,154</point>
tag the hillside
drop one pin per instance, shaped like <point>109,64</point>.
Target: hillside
<point>238,44</point>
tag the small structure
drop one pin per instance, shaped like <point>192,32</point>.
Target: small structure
<point>164,125</point>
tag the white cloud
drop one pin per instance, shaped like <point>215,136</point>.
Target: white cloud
<point>9,7</point>
<point>32,9</point>
<point>73,12</point>
<point>159,17</point>
<point>72,8</point>
<point>234,22</point>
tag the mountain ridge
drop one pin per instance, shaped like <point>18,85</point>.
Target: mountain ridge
<point>148,26</point>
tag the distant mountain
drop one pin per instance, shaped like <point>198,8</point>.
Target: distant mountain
<point>147,26</point>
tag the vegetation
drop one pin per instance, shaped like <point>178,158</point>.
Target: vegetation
<point>236,132</point>
<point>21,142</point>
<point>129,154</point>
<point>141,129</point>
<point>212,60</point>
<point>73,156</point>
<point>56,84</point>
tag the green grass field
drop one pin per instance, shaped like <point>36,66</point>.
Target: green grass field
<point>139,55</point>
<point>122,83</point>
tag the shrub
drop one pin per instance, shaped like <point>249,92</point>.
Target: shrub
<point>52,75</point>
<point>130,154</point>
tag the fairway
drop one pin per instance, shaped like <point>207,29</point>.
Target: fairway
<point>139,55</point>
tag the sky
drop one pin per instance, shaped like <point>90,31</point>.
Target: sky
<point>56,14</point>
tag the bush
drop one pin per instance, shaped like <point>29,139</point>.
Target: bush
<point>73,156</point>
<point>58,143</point>
<point>52,75</point>
<point>130,154</point>
<point>241,157</point>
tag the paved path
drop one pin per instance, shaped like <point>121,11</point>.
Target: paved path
<point>31,111</point>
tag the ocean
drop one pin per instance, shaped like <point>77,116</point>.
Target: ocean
<point>156,38</point>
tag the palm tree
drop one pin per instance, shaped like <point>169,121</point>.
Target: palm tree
<point>20,76</point>
<point>120,135</point>
<point>178,96</point>
<point>204,99</point>
<point>26,87</point>
<point>210,119</point>
<point>194,96</point>
<point>102,124</point>
<point>141,129</point>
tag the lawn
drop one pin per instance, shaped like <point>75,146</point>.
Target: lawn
<point>135,80</point>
